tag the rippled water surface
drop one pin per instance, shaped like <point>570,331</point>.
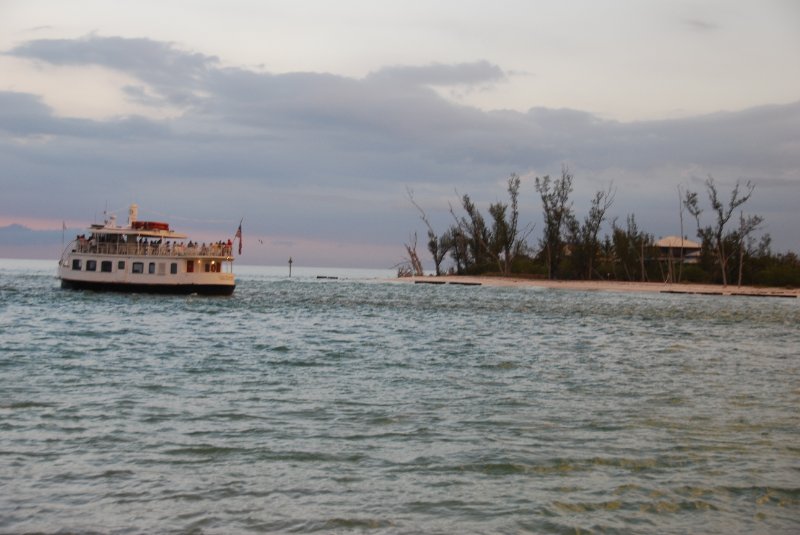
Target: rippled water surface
<point>354,405</point>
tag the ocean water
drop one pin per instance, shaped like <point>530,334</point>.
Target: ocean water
<point>354,405</point>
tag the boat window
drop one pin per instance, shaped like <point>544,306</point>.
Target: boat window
<point>151,268</point>
<point>91,265</point>
<point>121,265</point>
<point>208,267</point>
<point>76,264</point>
<point>138,267</point>
<point>105,266</point>
<point>173,268</point>
<point>190,266</point>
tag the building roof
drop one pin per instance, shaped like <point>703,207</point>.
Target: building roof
<point>676,242</point>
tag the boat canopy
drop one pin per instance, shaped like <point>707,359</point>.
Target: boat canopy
<point>127,231</point>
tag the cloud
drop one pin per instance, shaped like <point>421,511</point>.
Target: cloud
<point>700,25</point>
<point>319,156</point>
<point>173,73</point>
<point>479,72</point>
<point>24,115</point>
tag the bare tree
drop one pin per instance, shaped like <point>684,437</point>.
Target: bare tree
<point>413,258</point>
<point>680,215</point>
<point>438,246</point>
<point>715,235</point>
<point>693,207</point>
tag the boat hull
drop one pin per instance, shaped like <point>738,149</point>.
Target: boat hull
<point>146,274</point>
<point>127,287</point>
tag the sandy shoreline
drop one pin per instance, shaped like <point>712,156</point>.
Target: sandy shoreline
<point>607,286</point>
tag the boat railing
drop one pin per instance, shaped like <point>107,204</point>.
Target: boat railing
<point>151,249</point>
<point>71,246</point>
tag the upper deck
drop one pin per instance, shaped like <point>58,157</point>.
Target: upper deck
<point>144,247</point>
<point>144,238</point>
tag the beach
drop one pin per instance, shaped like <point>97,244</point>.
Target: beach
<point>607,286</point>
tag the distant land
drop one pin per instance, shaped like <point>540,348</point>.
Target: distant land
<point>19,241</point>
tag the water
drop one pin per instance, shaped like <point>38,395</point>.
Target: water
<point>360,406</point>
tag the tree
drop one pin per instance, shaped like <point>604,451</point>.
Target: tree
<point>508,241</point>
<point>747,225</point>
<point>504,241</point>
<point>680,216</point>
<point>438,246</point>
<point>715,235</point>
<point>473,228</point>
<point>601,202</point>
<point>557,212</point>
<point>629,245</point>
<point>413,260</point>
<point>582,237</point>
<point>456,242</point>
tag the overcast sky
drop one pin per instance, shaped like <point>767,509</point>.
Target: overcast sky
<point>310,119</point>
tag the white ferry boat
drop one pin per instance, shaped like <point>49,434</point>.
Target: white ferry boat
<point>146,256</point>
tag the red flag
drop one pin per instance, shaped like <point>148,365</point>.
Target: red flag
<point>239,235</point>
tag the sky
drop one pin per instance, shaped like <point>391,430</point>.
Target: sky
<point>311,120</point>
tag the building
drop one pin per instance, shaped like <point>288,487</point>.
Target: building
<point>673,248</point>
